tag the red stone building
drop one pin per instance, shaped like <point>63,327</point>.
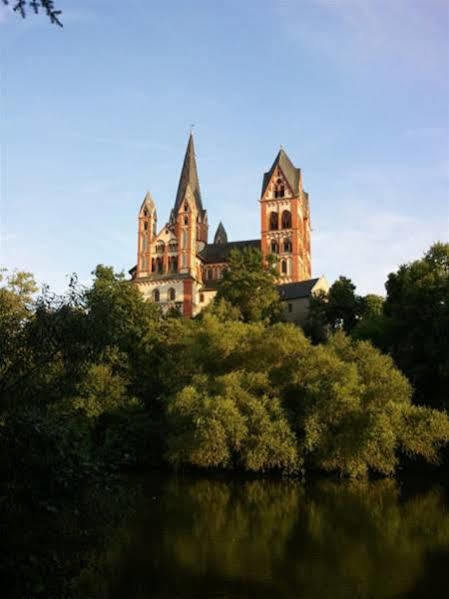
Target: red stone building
<point>177,267</point>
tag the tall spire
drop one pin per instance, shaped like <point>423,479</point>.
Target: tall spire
<point>189,178</point>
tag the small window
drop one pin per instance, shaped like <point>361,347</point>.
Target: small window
<point>156,295</point>
<point>284,267</point>
<point>171,294</point>
<point>274,247</point>
<point>186,220</point>
<point>290,307</point>
<point>145,212</point>
<point>186,207</point>
<point>202,297</point>
<point>145,226</point>
<point>287,245</point>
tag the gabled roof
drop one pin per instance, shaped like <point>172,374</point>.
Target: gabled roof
<point>291,173</point>
<point>220,235</point>
<point>189,178</point>
<point>289,291</point>
<point>219,252</point>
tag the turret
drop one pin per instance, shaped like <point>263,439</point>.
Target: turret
<point>147,223</point>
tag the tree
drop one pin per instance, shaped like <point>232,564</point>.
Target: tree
<point>22,7</point>
<point>339,309</point>
<point>417,306</point>
<point>250,285</point>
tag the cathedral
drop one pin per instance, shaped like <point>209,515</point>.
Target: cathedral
<point>178,267</point>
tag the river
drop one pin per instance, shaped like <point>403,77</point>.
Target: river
<point>215,538</point>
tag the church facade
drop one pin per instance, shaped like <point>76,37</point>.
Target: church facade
<point>178,267</point>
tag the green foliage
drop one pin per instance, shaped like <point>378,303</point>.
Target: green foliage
<point>339,309</point>
<point>250,286</point>
<point>230,421</point>
<point>417,307</point>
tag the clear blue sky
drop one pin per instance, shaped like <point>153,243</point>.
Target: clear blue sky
<point>95,114</point>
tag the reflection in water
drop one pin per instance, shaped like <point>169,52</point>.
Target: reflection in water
<point>213,539</point>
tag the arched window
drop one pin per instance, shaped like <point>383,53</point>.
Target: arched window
<point>287,245</point>
<point>159,265</point>
<point>186,207</point>
<point>279,190</point>
<point>284,267</point>
<point>171,294</point>
<point>173,246</point>
<point>186,220</point>
<point>286,219</point>
<point>153,265</point>
<point>274,221</point>
<point>173,263</point>
<point>145,226</point>
<point>274,247</point>
<point>156,295</point>
<point>160,247</point>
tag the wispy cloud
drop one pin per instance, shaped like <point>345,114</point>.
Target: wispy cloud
<point>406,34</point>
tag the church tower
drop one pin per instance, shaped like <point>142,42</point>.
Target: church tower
<point>188,218</point>
<point>147,223</point>
<point>285,220</point>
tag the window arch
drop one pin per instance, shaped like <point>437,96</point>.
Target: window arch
<point>286,219</point>
<point>287,245</point>
<point>156,295</point>
<point>284,267</point>
<point>171,295</point>
<point>274,247</point>
<point>274,221</point>
<point>279,189</point>
<point>173,263</point>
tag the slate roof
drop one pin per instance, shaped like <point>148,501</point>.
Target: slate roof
<point>189,178</point>
<point>219,252</point>
<point>290,291</point>
<point>291,173</point>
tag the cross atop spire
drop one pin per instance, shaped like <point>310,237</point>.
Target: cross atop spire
<point>189,178</point>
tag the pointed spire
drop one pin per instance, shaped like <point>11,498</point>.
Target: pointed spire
<point>291,173</point>
<point>189,178</point>
<point>148,202</point>
<point>221,236</point>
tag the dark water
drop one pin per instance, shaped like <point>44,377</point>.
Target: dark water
<point>209,539</point>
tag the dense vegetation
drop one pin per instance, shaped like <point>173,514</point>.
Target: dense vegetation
<point>98,381</point>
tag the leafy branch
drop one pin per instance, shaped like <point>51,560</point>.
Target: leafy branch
<point>22,7</point>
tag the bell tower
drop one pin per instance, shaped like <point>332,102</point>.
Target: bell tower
<point>147,223</point>
<point>285,220</point>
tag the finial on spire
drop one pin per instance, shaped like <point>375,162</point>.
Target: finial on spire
<point>192,125</point>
